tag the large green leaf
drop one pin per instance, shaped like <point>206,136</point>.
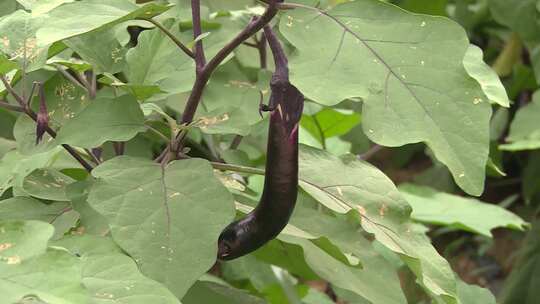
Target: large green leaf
<point>116,278</point>
<point>84,245</point>
<point>156,60</point>
<point>316,297</point>
<point>522,17</point>
<point>348,185</point>
<point>168,219</point>
<point>6,145</point>
<point>531,177</point>
<point>473,294</point>
<point>91,222</point>
<point>22,240</point>
<point>47,184</point>
<point>211,292</point>
<point>14,167</point>
<point>439,208</point>
<point>53,277</point>
<point>7,7</point>
<point>433,7</point>
<point>525,129</point>
<point>59,214</point>
<point>522,284</point>
<point>101,49</point>
<point>6,65</point>
<point>486,76</point>
<point>19,40</point>
<point>64,100</point>
<point>410,76</point>
<point>41,7</point>
<point>374,279</point>
<point>105,119</point>
<point>72,19</point>
<point>97,274</point>
<point>231,103</point>
<point>370,281</point>
<point>7,120</point>
<point>329,122</point>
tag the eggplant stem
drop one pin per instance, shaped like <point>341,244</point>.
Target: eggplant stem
<point>237,168</point>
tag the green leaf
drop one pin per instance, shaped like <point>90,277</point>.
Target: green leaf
<point>140,91</point>
<point>7,120</point>
<point>350,297</point>
<point>424,94</point>
<point>433,7</point>
<point>104,119</point>
<point>472,294</point>
<point>439,208</point>
<point>64,100</point>
<point>525,129</point>
<point>486,76</point>
<point>357,267</point>
<point>330,122</point>
<point>259,274</point>
<point>59,214</point>
<point>91,222</point>
<point>22,240</point>
<point>156,60</point>
<point>81,17</point>
<point>18,40</point>
<point>85,245</point>
<point>41,7</point>
<point>26,208</point>
<point>64,223</point>
<point>149,108</point>
<point>14,167</point>
<point>54,277</point>
<point>231,103</point>
<point>316,297</point>
<point>521,285</point>
<point>47,184</point>
<point>101,49</point>
<point>7,7</point>
<point>524,20</point>
<point>360,281</point>
<point>6,145</point>
<point>116,278</point>
<point>367,192</point>
<point>6,65</point>
<point>75,64</point>
<point>210,292</point>
<point>99,275</point>
<point>154,213</point>
<point>531,177</point>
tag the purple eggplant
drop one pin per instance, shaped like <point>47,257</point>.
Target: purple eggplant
<point>278,199</point>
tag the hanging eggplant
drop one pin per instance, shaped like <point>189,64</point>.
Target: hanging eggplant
<point>278,199</point>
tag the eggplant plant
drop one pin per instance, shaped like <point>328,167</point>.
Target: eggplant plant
<point>267,151</point>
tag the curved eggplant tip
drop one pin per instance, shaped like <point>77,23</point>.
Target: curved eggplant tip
<point>224,250</point>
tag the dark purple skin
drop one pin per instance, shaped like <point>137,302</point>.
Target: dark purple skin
<point>278,199</point>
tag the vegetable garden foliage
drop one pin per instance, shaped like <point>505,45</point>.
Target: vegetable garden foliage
<point>153,142</point>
